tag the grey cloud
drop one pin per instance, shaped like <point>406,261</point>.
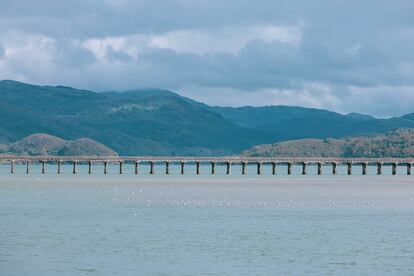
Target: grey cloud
<point>114,55</point>
<point>362,44</point>
<point>2,51</point>
<point>70,55</point>
<point>102,18</point>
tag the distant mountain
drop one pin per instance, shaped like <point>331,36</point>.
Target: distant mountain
<point>44,145</point>
<point>288,123</point>
<point>161,122</point>
<point>409,117</point>
<point>359,116</point>
<point>142,122</point>
<point>396,143</point>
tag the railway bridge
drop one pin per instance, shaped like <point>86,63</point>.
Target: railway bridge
<point>228,162</point>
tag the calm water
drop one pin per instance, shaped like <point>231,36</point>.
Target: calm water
<point>203,225</point>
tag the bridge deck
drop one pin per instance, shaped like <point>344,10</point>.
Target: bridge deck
<point>230,159</point>
<point>151,160</point>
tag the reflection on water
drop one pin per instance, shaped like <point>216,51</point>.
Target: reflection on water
<point>202,225</point>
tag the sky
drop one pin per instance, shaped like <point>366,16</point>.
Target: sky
<point>341,55</point>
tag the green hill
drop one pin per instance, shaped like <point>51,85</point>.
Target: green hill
<point>160,122</point>
<point>396,143</point>
<point>145,122</point>
<point>288,123</point>
<point>43,145</point>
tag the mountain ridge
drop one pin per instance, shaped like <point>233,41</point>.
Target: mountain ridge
<point>161,122</point>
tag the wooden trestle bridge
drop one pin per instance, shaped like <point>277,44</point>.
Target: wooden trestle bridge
<point>228,162</point>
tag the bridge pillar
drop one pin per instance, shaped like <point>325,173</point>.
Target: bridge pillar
<point>304,172</point>
<point>273,168</point>
<point>213,167</point>
<point>243,167</point>
<point>349,168</point>
<point>259,168</point>
<point>152,171</point>
<point>334,168</point>
<point>228,165</point>
<point>379,168</point>
<point>167,167</point>
<point>136,167</point>
<point>121,171</point>
<point>74,167</point>
<point>89,167</point>
<point>43,167</point>
<point>12,167</point>
<point>197,167</point>
<point>319,168</point>
<point>409,168</point>
<point>59,164</point>
<point>394,168</point>
<point>364,168</point>
<point>105,167</point>
<point>289,168</point>
<point>182,167</point>
<point>27,167</point>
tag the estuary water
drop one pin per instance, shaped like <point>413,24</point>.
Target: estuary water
<point>206,225</point>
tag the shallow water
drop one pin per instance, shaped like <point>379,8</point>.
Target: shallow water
<point>203,225</point>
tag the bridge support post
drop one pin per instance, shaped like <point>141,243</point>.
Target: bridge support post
<point>394,168</point>
<point>365,163</point>
<point>349,168</point>
<point>379,168</point>
<point>243,167</point>
<point>228,170</point>
<point>136,167</point>
<point>167,167</point>
<point>197,167</point>
<point>273,168</point>
<point>74,167</point>
<point>304,172</point>
<point>364,168</point>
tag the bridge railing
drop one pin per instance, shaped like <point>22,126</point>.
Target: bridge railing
<point>228,161</point>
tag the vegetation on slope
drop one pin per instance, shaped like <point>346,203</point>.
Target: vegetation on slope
<point>396,143</point>
<point>291,123</point>
<point>160,122</point>
<point>44,145</point>
<point>145,122</point>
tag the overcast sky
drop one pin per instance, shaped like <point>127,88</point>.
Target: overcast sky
<point>341,55</point>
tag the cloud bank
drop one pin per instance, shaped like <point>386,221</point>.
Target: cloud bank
<point>347,56</point>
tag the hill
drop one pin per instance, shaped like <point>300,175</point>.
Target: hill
<point>161,122</point>
<point>44,145</point>
<point>396,143</point>
<point>143,122</point>
<point>288,123</point>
